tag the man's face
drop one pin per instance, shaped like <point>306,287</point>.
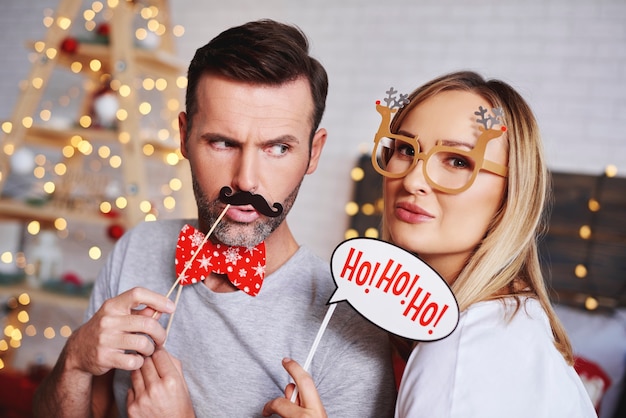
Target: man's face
<point>251,138</point>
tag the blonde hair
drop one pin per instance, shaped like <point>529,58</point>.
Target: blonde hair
<point>506,262</point>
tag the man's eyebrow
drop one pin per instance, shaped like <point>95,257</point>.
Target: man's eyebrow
<point>213,137</point>
<point>282,139</point>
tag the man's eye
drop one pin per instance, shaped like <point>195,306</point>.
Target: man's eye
<point>278,149</point>
<point>221,144</point>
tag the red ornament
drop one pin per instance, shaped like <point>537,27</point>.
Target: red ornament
<point>115,231</point>
<point>103,29</point>
<point>72,278</point>
<point>69,45</point>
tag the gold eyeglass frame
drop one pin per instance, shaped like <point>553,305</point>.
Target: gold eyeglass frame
<point>477,153</point>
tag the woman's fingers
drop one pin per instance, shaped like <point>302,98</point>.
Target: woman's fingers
<point>308,403</point>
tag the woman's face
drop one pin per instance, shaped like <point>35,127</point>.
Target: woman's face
<point>443,229</point>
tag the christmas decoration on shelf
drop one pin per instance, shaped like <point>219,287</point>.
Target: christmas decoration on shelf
<point>62,170</point>
<point>23,161</point>
<point>149,40</point>
<point>103,30</point>
<point>69,284</point>
<point>105,105</point>
<point>115,231</point>
<point>79,190</point>
<point>47,258</point>
<point>69,45</point>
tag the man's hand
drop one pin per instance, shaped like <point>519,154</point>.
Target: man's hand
<point>116,337</point>
<point>97,347</point>
<point>159,389</point>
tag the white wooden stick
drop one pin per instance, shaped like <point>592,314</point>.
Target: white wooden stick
<point>316,342</point>
<point>169,322</point>
<point>193,257</point>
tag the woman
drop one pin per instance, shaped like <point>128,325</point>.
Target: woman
<point>465,187</point>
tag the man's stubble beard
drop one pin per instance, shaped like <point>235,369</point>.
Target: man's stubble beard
<point>235,233</point>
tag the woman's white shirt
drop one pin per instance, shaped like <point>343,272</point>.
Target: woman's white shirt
<point>493,365</point>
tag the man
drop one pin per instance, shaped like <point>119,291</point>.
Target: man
<point>254,102</point>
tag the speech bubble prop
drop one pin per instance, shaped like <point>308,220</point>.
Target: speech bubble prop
<point>393,289</point>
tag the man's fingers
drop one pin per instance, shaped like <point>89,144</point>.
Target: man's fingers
<point>165,364</point>
<point>130,396</point>
<point>115,337</point>
<point>137,325</point>
<point>137,382</point>
<point>149,371</point>
<point>139,296</point>
<point>146,311</point>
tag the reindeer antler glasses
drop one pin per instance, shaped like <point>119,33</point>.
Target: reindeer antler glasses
<point>446,168</point>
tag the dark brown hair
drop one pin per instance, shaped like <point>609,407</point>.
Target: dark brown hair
<point>260,52</point>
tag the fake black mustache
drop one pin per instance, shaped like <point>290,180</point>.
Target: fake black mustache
<point>257,201</point>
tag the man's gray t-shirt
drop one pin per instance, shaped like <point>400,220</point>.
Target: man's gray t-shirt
<point>231,344</point>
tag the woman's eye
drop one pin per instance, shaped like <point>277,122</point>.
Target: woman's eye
<point>405,149</point>
<point>452,161</point>
<point>457,161</point>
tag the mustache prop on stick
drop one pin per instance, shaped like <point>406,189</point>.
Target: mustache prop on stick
<point>257,201</point>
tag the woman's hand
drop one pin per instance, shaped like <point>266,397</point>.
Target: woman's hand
<point>308,402</point>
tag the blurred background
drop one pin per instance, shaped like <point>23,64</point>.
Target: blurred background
<point>77,174</point>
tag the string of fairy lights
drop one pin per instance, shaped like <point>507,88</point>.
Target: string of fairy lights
<point>586,231</point>
<point>100,154</point>
<point>18,326</point>
<point>366,208</point>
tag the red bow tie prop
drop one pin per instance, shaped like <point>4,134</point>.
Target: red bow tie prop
<point>244,266</point>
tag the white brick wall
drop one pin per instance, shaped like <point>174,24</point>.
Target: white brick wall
<point>567,57</point>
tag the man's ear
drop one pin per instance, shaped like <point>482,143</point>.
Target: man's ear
<point>182,129</point>
<point>319,139</point>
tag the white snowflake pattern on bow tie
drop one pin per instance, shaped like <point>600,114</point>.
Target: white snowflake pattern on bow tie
<point>197,258</point>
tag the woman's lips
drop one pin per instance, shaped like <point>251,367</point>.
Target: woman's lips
<point>411,213</point>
